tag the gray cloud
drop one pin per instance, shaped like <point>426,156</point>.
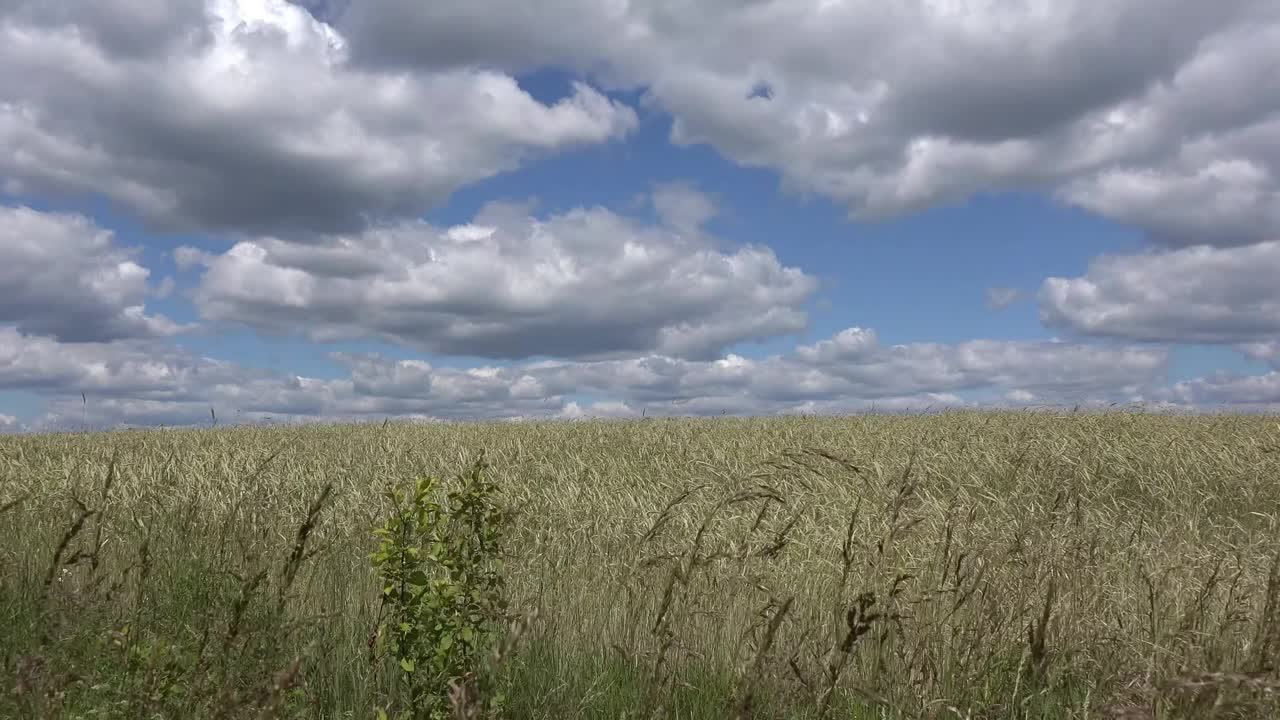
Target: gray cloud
<point>587,282</point>
<point>251,119</point>
<point>1196,294</point>
<point>66,277</point>
<point>134,29</point>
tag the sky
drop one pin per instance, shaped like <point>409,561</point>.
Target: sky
<point>274,211</point>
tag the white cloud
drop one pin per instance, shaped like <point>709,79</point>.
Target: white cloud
<point>165,288</point>
<point>848,344</point>
<point>1229,201</point>
<point>683,207</point>
<point>1226,389</point>
<point>999,298</point>
<point>1196,294</point>
<point>587,282</point>
<point>1267,352</point>
<point>853,369</point>
<point>313,144</point>
<point>138,369</point>
<point>1060,368</point>
<point>244,115</point>
<point>64,276</point>
<point>1020,396</point>
<point>146,383</point>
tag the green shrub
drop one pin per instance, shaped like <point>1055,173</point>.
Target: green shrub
<point>442,586</point>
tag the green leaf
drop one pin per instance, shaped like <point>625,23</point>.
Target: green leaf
<point>407,664</point>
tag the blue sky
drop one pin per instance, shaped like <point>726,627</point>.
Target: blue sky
<point>456,211</point>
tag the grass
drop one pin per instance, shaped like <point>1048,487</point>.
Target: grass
<point>961,565</point>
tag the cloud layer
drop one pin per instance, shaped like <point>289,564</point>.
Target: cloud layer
<point>305,140</point>
<point>245,116</point>
<point>893,107</point>
<point>146,383</point>
<point>258,115</point>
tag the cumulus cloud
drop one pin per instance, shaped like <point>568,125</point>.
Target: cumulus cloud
<point>893,107</point>
<point>64,276</point>
<point>587,282</point>
<point>1196,294</point>
<point>246,116</point>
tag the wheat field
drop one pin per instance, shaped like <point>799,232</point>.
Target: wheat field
<point>954,565</point>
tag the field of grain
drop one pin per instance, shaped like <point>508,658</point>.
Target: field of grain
<point>958,565</point>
